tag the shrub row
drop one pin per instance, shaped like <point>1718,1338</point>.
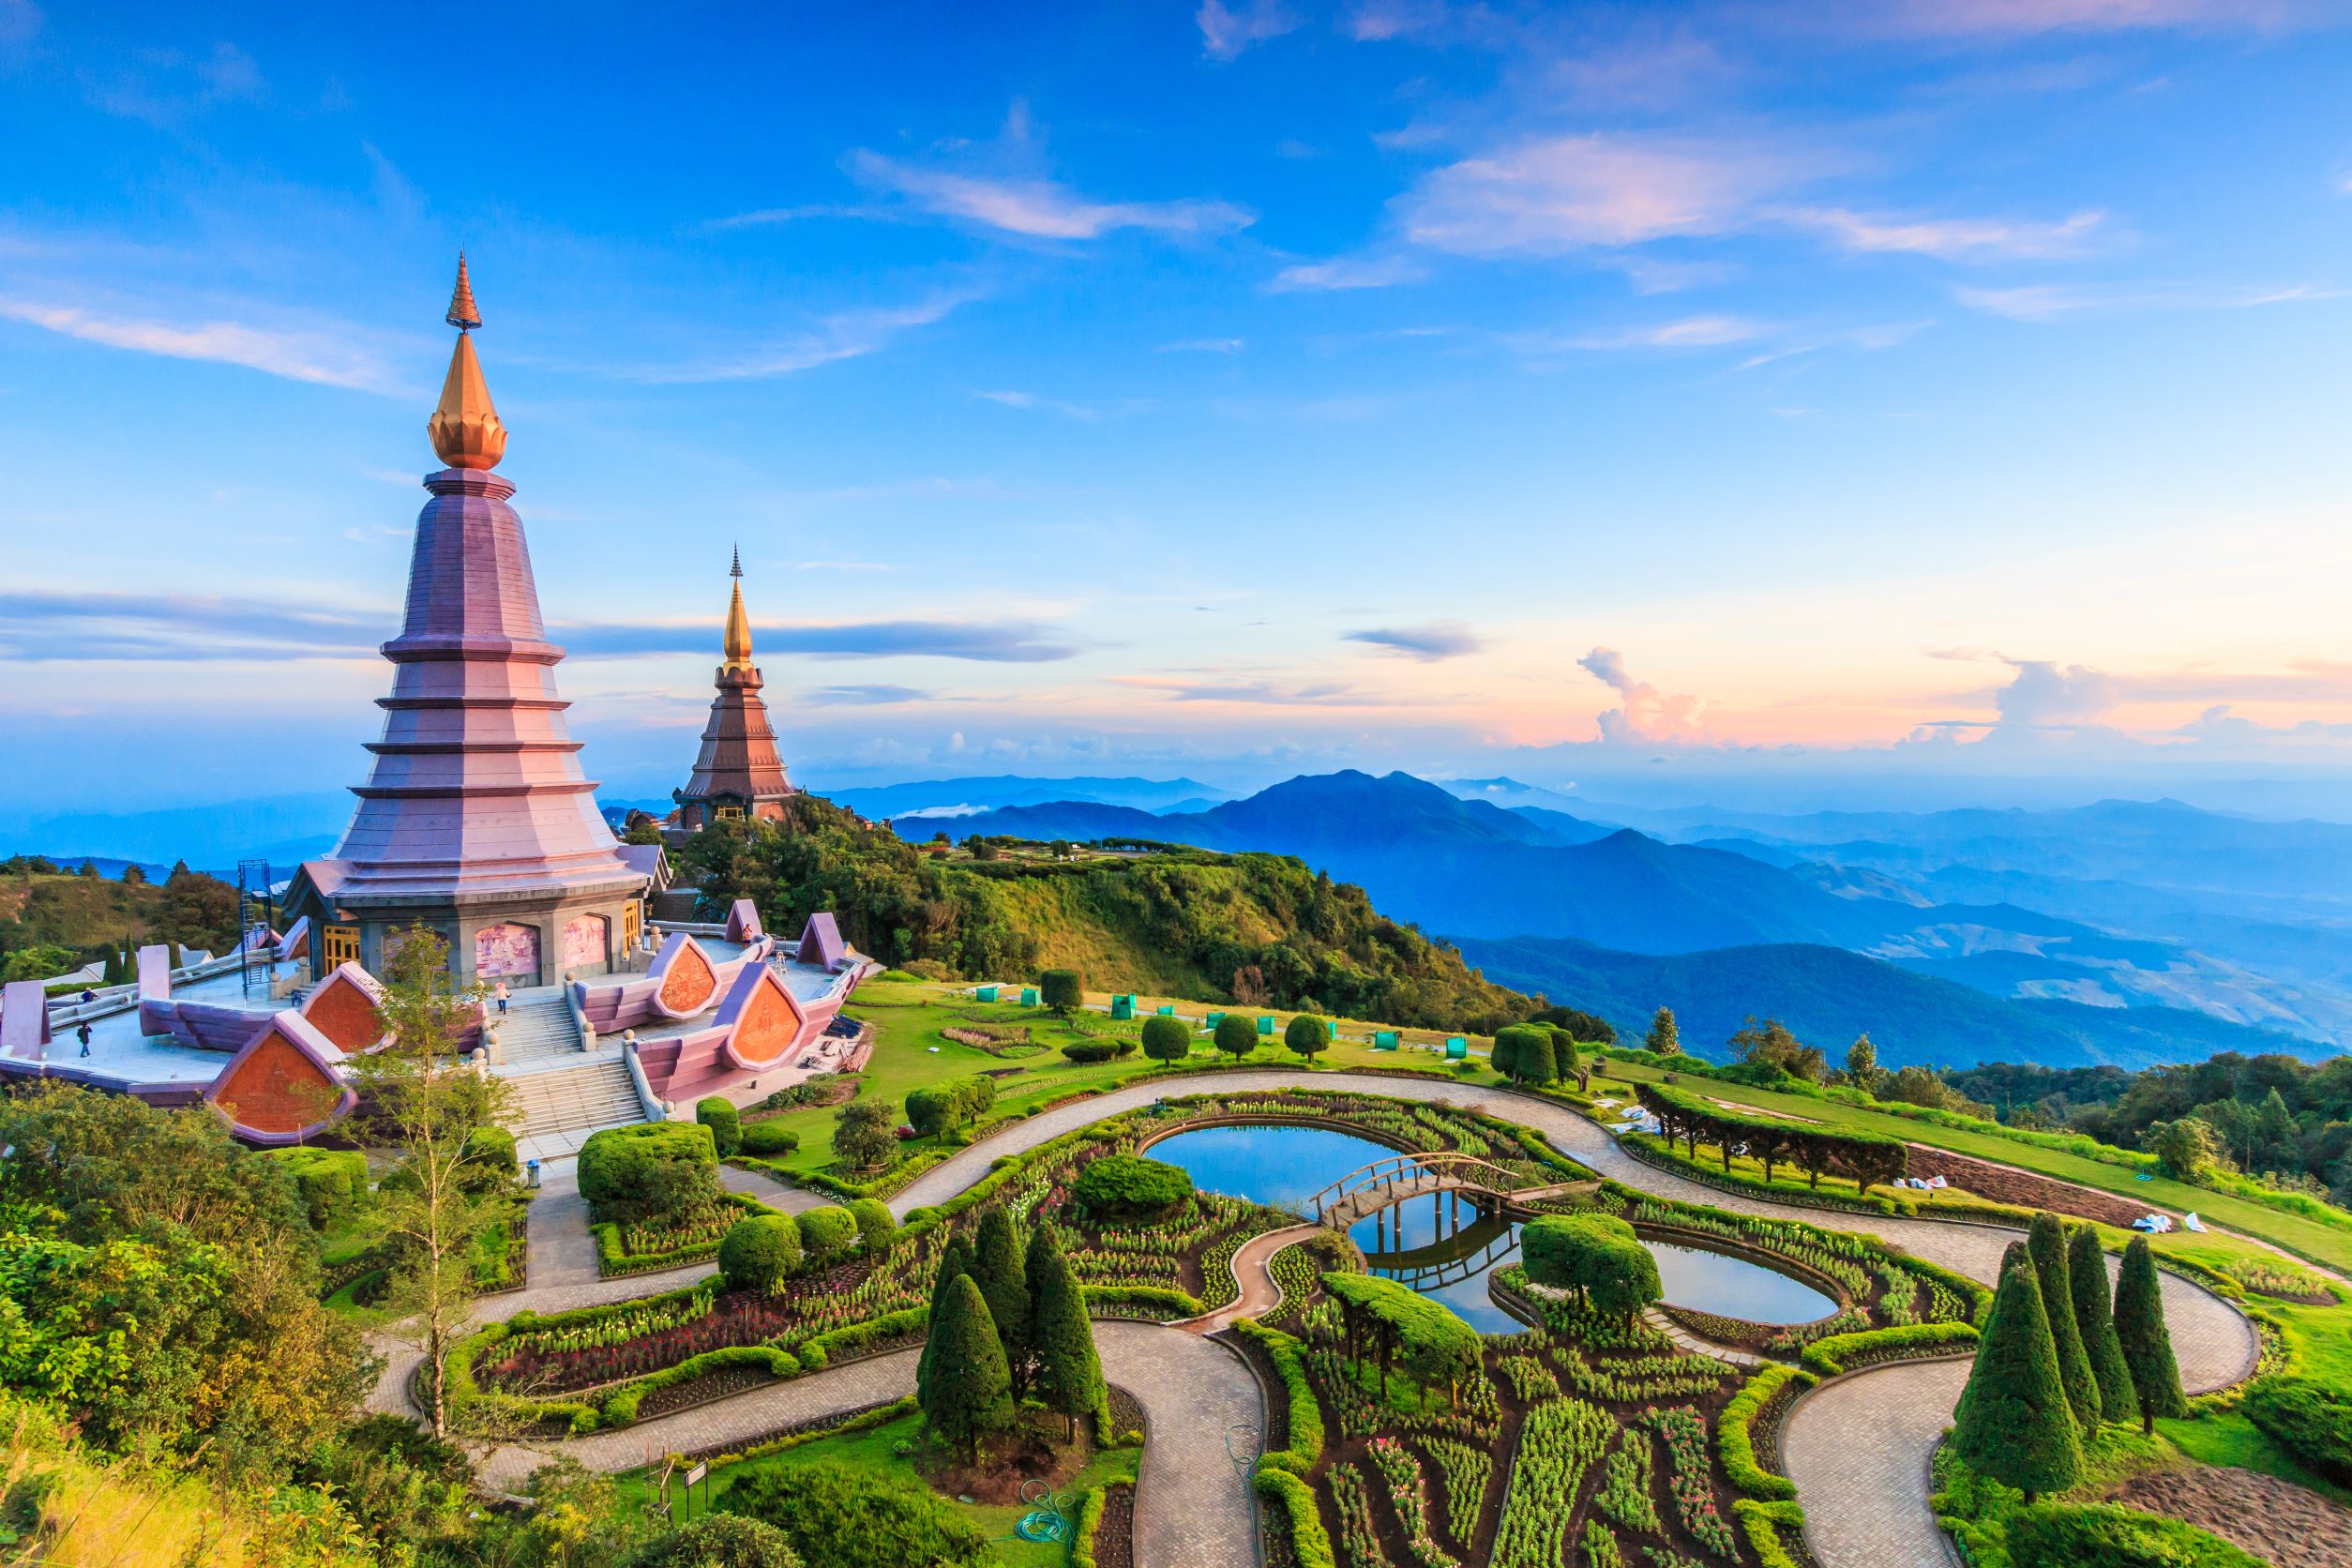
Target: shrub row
<point>1309,1543</point>
<point>943,1108</point>
<point>1090,1520</point>
<point>1869,1158</point>
<point>1304,1423</point>
<point>1843,1353</point>
<point>620,1405</point>
<point>2310,1420</point>
<point>615,1261</point>
<point>2108,1535</point>
<point>1762,1523</point>
<point>821,1349</point>
<point>1737,1437</point>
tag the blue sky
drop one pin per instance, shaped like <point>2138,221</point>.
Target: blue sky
<point>1904,391</point>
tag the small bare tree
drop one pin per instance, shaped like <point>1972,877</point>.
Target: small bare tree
<point>424,1102</point>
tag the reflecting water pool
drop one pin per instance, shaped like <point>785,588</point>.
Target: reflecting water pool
<point>1441,1245</point>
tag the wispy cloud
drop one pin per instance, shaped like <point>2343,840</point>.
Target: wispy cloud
<point>1226,30</point>
<point>1218,686</point>
<point>1040,209</point>
<point>2046,302</point>
<point>1952,238</point>
<point>1031,401</point>
<point>1347,272</point>
<point>1556,194</point>
<point>1684,332</point>
<point>322,357</point>
<point>1429,642</point>
<point>1949,18</point>
<point>1204,345</point>
<point>165,87</point>
<point>846,334</point>
<point>863,696</point>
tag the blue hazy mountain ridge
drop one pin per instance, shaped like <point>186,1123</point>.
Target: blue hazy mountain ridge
<point>1009,790</point>
<point>1827,997</point>
<point>1458,867</point>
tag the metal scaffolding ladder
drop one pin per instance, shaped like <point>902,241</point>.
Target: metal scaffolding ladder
<point>257,917</point>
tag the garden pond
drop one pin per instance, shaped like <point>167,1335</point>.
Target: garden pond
<point>1440,1245</point>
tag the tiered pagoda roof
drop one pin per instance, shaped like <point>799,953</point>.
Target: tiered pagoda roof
<point>738,767</point>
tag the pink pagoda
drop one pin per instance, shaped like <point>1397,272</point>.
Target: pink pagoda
<point>475,819</point>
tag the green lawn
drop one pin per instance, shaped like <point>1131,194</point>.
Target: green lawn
<point>2327,1244</point>
<point>873,1451</point>
<point>910,1052</point>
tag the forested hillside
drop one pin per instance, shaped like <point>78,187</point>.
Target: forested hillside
<point>1248,928</point>
<point>52,919</point>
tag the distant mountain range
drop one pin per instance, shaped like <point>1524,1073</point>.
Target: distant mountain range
<point>956,797</point>
<point>1455,862</point>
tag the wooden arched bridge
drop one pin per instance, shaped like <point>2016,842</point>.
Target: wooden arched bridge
<point>1370,1188</point>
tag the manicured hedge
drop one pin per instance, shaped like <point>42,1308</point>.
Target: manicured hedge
<point>942,1107</point>
<point>620,1405</point>
<point>1841,1351</point>
<point>2107,1535</point>
<point>2310,1420</point>
<point>1762,1523</point>
<point>1737,1438</point>
<point>1309,1543</point>
<point>827,1231</point>
<point>1087,1051</point>
<point>1304,1423</point>
<point>1177,1304</point>
<point>1090,1520</point>
<point>768,1138</point>
<point>876,1225</point>
<point>821,1350</point>
<point>331,1181</point>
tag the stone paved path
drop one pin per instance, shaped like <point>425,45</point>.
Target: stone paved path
<point>1857,1451</point>
<point>1252,1264</point>
<point>768,1190</point>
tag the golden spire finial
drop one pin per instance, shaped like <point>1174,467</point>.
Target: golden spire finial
<point>465,428</point>
<point>463,314</point>
<point>738,642</point>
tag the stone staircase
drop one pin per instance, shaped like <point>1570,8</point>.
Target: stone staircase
<point>570,1101</point>
<point>537,1027</point>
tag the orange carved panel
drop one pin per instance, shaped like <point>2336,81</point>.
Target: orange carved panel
<point>767,1028</point>
<point>345,1013</point>
<point>276,1089</point>
<point>689,985</point>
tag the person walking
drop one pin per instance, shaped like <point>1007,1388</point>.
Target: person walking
<point>84,1033</point>
<point>501,995</point>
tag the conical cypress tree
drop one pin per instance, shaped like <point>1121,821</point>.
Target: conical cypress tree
<point>2087,1271</point>
<point>954,1263</point>
<point>2046,1242</point>
<point>1069,1372</point>
<point>970,1393</point>
<point>998,1269</point>
<point>2139,1326</point>
<point>2012,1256</point>
<point>2015,1426</point>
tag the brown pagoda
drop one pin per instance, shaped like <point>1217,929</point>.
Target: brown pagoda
<point>737,774</point>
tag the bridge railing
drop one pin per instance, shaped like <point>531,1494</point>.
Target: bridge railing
<point>1400,1171</point>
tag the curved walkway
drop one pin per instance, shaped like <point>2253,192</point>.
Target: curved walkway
<point>1857,1451</point>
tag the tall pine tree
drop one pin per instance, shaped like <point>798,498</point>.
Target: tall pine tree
<point>2046,1242</point>
<point>968,1394</point>
<point>2139,1326</point>
<point>2014,1424</point>
<point>955,1262</point>
<point>998,1269</point>
<point>1069,1372</point>
<point>2094,1318</point>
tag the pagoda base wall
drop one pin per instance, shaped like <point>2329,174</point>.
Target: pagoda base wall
<point>524,940</point>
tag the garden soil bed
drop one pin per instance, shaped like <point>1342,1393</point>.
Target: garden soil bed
<point>2006,1184</point>
<point>2269,1518</point>
<point>723,1384</point>
<point>1114,1536</point>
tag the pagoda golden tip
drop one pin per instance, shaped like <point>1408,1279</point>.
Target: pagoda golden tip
<point>738,644</point>
<point>465,429</point>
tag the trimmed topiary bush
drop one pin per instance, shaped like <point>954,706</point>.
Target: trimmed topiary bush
<point>828,1233</point>
<point>726,1127</point>
<point>875,1223</point>
<point>1596,1256</point>
<point>766,1140</point>
<point>942,1107</point>
<point>1235,1035</point>
<point>1130,1187</point>
<point>1061,990</point>
<point>1166,1039</point>
<point>760,1252</point>
<point>1308,1035</point>
<point>331,1181</point>
<point>651,1168</point>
